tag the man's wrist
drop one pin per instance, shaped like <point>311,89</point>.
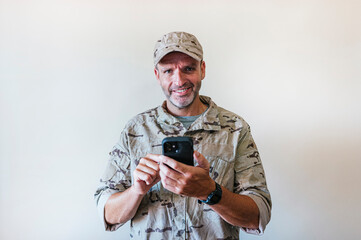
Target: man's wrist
<point>214,197</point>
<point>211,186</point>
<point>135,192</point>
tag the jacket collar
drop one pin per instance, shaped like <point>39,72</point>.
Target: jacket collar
<point>208,121</point>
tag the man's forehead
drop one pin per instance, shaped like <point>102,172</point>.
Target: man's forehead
<point>177,57</point>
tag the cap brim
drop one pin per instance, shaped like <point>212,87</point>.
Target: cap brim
<point>175,49</point>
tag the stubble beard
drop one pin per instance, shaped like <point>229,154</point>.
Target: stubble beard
<point>189,99</point>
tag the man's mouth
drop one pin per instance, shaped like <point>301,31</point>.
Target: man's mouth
<point>183,90</point>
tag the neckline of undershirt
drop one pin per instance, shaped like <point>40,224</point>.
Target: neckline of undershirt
<point>188,120</point>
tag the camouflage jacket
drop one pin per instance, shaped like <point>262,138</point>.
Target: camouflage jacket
<point>223,138</point>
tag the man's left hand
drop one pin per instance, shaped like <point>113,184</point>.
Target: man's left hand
<point>186,180</point>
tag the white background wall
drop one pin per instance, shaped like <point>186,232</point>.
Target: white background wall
<point>73,72</point>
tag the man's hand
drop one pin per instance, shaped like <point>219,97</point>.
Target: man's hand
<point>146,175</point>
<point>236,209</point>
<point>183,179</point>
<point>122,206</point>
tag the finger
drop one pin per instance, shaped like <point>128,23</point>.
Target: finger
<point>147,169</point>
<point>149,163</point>
<point>167,182</point>
<point>154,157</point>
<point>169,172</point>
<point>144,176</point>
<point>157,179</point>
<point>177,166</point>
<point>201,160</point>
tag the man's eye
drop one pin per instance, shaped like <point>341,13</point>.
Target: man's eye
<point>167,71</point>
<point>189,69</point>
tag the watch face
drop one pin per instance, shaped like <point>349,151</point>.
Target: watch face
<point>215,196</point>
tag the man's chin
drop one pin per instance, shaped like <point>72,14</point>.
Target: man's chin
<point>181,104</point>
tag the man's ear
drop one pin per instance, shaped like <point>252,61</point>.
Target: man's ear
<point>156,72</point>
<point>203,70</point>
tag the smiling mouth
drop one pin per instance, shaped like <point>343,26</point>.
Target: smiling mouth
<point>181,90</point>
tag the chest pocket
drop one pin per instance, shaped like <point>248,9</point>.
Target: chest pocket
<point>221,159</point>
<point>221,171</point>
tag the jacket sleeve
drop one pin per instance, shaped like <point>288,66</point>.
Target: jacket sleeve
<point>250,178</point>
<point>116,178</point>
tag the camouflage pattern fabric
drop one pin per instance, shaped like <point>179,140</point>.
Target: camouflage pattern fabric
<point>177,42</point>
<point>223,138</point>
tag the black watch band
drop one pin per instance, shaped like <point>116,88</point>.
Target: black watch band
<point>214,197</point>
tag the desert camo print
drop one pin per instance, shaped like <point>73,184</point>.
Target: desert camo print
<point>223,138</point>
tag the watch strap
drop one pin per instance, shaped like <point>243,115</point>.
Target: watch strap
<point>214,197</point>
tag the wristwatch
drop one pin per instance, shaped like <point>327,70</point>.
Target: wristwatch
<point>214,197</point>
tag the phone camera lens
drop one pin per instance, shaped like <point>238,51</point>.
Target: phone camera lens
<point>168,147</point>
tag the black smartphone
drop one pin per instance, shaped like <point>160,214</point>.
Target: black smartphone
<point>179,148</point>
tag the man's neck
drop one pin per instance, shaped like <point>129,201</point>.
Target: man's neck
<point>196,108</point>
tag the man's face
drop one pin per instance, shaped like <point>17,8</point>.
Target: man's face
<point>180,77</point>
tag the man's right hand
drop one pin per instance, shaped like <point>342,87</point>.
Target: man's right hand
<point>146,175</point>
<point>122,206</point>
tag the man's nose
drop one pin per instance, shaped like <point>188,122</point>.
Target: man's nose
<point>179,78</point>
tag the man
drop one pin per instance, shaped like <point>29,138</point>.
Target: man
<point>165,199</point>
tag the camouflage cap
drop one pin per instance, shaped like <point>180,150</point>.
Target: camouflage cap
<point>177,42</point>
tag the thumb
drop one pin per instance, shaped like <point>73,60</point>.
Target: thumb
<point>201,160</point>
